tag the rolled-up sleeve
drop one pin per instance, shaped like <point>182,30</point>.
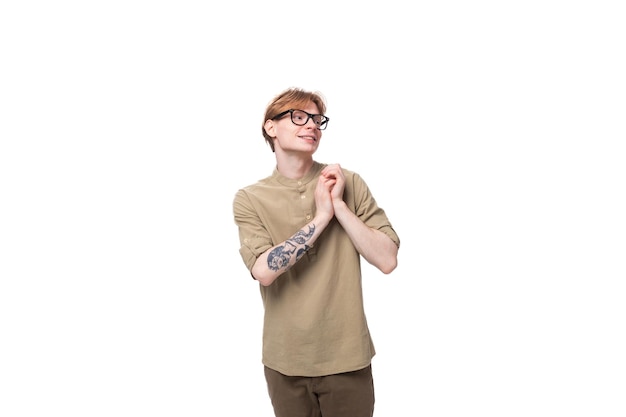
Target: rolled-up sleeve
<point>254,239</point>
<point>366,208</point>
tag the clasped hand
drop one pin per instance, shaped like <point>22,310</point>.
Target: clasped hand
<point>329,190</point>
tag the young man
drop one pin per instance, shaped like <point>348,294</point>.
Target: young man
<point>303,231</point>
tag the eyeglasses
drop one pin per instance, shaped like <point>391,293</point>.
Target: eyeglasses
<point>300,118</point>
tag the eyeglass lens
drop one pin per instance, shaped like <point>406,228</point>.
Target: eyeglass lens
<point>300,118</point>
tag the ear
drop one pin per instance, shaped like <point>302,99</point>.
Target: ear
<point>270,129</point>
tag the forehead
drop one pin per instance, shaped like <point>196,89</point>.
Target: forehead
<point>301,104</point>
<point>307,106</point>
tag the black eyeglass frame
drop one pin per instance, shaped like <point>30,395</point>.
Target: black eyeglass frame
<point>321,126</point>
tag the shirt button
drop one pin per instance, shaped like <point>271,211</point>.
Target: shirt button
<point>302,196</point>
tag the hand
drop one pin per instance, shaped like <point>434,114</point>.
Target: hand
<point>323,199</point>
<point>334,175</point>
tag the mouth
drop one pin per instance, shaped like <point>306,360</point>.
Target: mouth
<point>307,137</point>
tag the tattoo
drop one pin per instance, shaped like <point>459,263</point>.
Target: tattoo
<point>280,256</point>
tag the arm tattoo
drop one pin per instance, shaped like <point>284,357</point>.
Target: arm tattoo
<point>280,256</point>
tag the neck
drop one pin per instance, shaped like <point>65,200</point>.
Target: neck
<point>293,167</point>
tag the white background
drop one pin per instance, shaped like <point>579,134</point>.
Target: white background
<point>491,132</point>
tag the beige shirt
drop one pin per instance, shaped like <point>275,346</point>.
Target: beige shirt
<point>314,321</point>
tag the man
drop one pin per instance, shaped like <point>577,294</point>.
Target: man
<point>303,231</point>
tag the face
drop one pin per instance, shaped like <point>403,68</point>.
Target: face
<point>290,138</point>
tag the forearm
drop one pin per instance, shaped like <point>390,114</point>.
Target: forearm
<point>375,246</point>
<point>280,258</point>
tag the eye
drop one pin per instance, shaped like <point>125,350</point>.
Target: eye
<point>299,116</point>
